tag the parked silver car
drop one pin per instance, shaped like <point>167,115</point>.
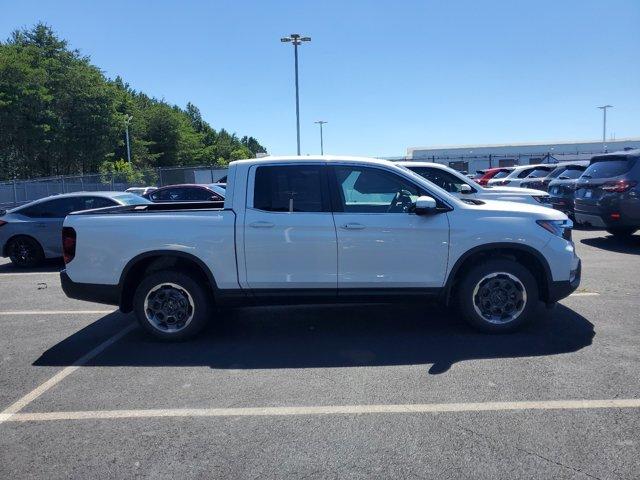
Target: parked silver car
<point>32,232</point>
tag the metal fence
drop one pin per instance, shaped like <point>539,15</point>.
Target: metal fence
<point>17,192</point>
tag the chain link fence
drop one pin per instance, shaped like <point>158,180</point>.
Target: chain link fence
<point>17,192</point>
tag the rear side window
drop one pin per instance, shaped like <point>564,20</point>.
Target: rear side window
<point>294,188</point>
<point>609,168</point>
<point>58,208</point>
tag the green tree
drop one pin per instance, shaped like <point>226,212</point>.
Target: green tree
<point>60,115</point>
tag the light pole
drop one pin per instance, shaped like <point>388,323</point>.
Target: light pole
<point>321,123</point>
<point>127,121</point>
<point>604,125</point>
<point>296,39</point>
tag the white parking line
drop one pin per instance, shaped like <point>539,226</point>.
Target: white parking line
<point>584,294</point>
<point>7,413</point>
<point>26,274</point>
<point>57,312</point>
<point>330,410</point>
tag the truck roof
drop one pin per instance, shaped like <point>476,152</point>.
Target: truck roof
<point>314,158</point>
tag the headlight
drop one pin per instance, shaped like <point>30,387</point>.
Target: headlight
<point>541,198</point>
<point>561,228</point>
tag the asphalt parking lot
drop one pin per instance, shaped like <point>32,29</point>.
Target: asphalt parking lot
<point>325,392</point>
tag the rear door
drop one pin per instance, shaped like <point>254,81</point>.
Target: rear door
<point>289,233</point>
<point>381,243</point>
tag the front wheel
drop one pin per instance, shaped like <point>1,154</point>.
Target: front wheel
<point>498,296</point>
<point>172,305</point>
<point>622,232</point>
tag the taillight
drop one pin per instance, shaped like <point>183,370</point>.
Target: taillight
<point>2,222</point>
<point>619,186</point>
<point>68,244</point>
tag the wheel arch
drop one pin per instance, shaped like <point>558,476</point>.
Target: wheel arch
<point>529,257</point>
<point>156,260</point>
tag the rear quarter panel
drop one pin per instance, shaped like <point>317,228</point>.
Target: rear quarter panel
<point>107,242</point>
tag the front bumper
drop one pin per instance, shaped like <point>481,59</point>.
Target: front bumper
<point>90,292</point>
<point>562,289</point>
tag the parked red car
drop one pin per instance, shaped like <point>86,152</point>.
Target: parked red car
<point>490,173</point>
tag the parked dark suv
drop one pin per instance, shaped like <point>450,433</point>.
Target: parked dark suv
<point>540,179</point>
<point>608,193</point>
<point>563,188</point>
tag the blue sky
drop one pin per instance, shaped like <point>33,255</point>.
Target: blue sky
<point>385,75</point>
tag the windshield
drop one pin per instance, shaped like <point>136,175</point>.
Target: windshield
<point>539,173</point>
<point>130,199</point>
<point>572,173</point>
<point>609,168</point>
<point>501,174</point>
<point>421,180</point>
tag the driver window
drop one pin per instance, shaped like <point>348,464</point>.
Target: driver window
<point>371,190</point>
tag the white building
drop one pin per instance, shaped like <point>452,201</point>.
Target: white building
<point>471,158</point>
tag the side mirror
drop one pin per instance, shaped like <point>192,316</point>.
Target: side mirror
<point>424,205</point>
<point>465,188</point>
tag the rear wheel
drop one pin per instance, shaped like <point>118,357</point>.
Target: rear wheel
<point>498,296</point>
<point>25,252</point>
<point>172,305</point>
<point>622,232</point>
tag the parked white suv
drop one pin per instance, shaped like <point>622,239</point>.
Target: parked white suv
<point>519,173</point>
<point>463,187</point>
<point>325,229</point>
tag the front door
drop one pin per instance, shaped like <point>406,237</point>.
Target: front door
<point>381,243</point>
<point>289,234</point>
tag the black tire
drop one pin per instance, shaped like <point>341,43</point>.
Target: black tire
<point>172,289</point>
<point>622,232</point>
<point>501,272</point>
<point>25,252</point>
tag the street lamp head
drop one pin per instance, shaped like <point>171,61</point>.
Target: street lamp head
<point>605,106</point>
<point>321,122</point>
<point>295,38</point>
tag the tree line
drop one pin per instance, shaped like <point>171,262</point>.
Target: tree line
<point>60,115</point>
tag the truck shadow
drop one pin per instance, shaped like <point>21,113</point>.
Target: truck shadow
<point>328,336</point>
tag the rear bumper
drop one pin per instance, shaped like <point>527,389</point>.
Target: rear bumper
<point>90,292</point>
<point>565,205</point>
<point>562,289</point>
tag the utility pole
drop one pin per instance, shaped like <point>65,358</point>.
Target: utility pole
<point>604,126</point>
<point>296,39</point>
<point>127,121</point>
<point>321,123</point>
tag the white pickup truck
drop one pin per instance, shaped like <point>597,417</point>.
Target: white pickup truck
<point>320,230</point>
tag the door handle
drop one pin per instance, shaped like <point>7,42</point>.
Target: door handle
<point>41,225</point>
<point>261,225</point>
<point>353,226</point>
